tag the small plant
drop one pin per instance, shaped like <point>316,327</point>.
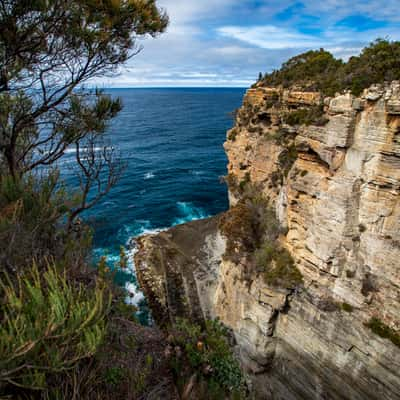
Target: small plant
<point>278,266</point>
<point>237,225</point>
<point>287,158</point>
<point>48,325</point>
<point>114,375</point>
<point>347,307</point>
<point>362,228</point>
<point>368,285</point>
<point>243,183</point>
<point>206,354</point>
<point>350,273</point>
<point>384,331</point>
<point>306,116</point>
<point>232,134</point>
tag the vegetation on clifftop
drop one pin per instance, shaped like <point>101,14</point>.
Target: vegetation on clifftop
<point>320,71</point>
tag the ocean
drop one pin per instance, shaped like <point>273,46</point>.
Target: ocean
<point>171,141</point>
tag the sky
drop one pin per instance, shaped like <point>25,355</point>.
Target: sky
<point>226,43</point>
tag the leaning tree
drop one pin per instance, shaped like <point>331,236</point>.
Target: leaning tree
<point>50,53</point>
<point>49,49</point>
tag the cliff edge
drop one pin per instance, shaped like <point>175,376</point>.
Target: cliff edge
<point>304,266</point>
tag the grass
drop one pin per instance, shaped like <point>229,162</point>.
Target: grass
<point>384,331</point>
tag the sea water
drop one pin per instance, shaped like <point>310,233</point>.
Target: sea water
<point>172,143</point>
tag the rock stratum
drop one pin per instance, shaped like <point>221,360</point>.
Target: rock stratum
<point>329,168</point>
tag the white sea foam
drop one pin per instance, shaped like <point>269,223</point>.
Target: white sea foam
<point>189,212</point>
<point>149,175</point>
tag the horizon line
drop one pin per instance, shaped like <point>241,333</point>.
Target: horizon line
<point>172,87</point>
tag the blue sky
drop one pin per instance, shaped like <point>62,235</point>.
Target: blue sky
<point>228,42</point>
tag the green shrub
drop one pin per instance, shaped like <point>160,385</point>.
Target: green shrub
<point>287,158</point>
<point>384,331</point>
<point>47,326</point>
<point>206,353</point>
<point>232,134</point>
<point>362,228</point>
<point>320,71</point>
<point>306,116</point>
<point>244,182</point>
<point>114,375</point>
<point>237,225</point>
<point>277,266</point>
<point>347,307</point>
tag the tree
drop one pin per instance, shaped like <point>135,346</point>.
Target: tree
<point>55,311</point>
<point>49,49</point>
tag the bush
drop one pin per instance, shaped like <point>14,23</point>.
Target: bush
<point>47,326</point>
<point>287,158</point>
<point>384,331</point>
<point>237,225</point>
<point>320,71</point>
<point>306,116</point>
<point>232,134</point>
<point>206,353</point>
<point>277,266</point>
<point>347,307</point>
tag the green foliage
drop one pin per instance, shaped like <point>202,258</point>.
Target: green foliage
<point>384,331</point>
<point>244,182</point>
<point>347,307</point>
<point>207,353</point>
<point>287,158</point>
<point>232,134</point>
<point>114,375</point>
<point>306,116</point>
<point>277,266</point>
<point>238,226</point>
<point>47,326</point>
<point>320,71</point>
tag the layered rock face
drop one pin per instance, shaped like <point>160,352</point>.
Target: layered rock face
<point>330,168</point>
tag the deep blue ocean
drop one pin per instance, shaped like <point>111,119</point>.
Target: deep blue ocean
<point>171,141</point>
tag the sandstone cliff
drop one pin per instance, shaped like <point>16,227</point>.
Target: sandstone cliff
<point>329,168</point>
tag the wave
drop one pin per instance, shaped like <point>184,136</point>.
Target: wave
<point>189,212</point>
<point>197,173</point>
<point>149,175</point>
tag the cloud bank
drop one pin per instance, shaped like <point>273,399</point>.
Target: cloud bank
<point>228,42</point>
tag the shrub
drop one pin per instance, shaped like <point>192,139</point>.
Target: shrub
<point>320,71</point>
<point>384,331</point>
<point>347,307</point>
<point>245,181</point>
<point>278,266</point>
<point>114,375</point>
<point>237,225</point>
<point>306,116</point>
<point>206,353</point>
<point>368,285</point>
<point>362,228</point>
<point>47,326</point>
<point>287,158</point>
<point>232,134</point>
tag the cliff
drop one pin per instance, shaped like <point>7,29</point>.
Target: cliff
<point>303,268</point>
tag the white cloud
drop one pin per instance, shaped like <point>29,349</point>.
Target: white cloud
<point>207,44</point>
<point>270,37</point>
